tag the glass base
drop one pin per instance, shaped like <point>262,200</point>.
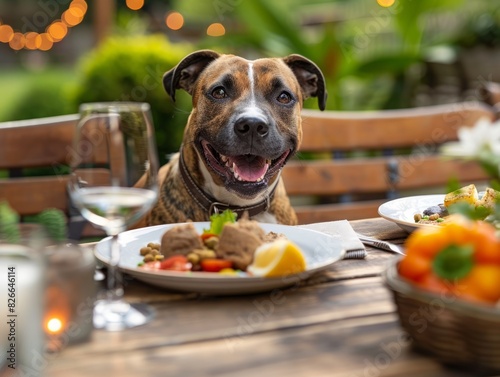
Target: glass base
<point>118,315</point>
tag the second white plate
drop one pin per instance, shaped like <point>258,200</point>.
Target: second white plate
<point>402,210</point>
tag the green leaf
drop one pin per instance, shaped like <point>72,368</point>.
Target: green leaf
<point>266,20</point>
<point>470,211</point>
<point>54,222</point>
<point>453,185</point>
<point>218,220</point>
<point>454,262</point>
<point>390,63</point>
<point>9,223</point>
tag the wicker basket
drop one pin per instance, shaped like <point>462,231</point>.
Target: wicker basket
<point>457,332</point>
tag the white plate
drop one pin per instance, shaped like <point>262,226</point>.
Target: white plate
<point>320,251</point>
<point>402,210</point>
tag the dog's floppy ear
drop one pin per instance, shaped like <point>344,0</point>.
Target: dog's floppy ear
<point>310,77</point>
<point>185,74</point>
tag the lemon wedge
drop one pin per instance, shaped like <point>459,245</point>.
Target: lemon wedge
<point>277,258</point>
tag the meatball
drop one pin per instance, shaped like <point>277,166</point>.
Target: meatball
<point>238,244</point>
<point>181,239</point>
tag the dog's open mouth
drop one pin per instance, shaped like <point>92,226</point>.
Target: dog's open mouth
<point>243,168</point>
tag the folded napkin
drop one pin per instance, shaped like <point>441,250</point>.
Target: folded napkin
<point>342,230</point>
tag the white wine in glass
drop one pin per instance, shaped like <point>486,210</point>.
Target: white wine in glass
<point>114,147</point>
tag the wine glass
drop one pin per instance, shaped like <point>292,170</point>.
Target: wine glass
<point>114,149</point>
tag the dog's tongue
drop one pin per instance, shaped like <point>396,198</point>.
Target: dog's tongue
<point>249,168</point>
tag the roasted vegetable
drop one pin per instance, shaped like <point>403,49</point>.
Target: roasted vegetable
<point>467,194</point>
<point>489,199</point>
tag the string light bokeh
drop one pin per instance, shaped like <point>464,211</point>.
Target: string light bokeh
<point>386,3</point>
<point>175,20</point>
<point>55,32</point>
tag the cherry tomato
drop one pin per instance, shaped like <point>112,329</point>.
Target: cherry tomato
<point>151,266</point>
<point>433,283</point>
<point>415,267</point>
<point>176,263</point>
<point>487,244</point>
<point>205,236</point>
<point>215,265</point>
<point>426,242</point>
<point>482,284</point>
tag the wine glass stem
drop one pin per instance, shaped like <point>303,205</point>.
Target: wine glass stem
<point>115,281</point>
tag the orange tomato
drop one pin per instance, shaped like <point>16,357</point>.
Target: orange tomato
<point>215,265</point>
<point>415,266</point>
<point>426,242</point>
<point>481,284</point>
<point>433,283</point>
<point>459,230</point>
<point>487,244</point>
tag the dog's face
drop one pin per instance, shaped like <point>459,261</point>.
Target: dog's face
<point>245,123</point>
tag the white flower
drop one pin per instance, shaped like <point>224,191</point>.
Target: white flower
<point>474,141</point>
<point>484,135</point>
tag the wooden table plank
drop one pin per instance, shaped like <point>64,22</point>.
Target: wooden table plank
<point>379,228</point>
<point>204,317</point>
<point>371,346</point>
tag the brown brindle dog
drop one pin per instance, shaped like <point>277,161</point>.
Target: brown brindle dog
<point>244,126</point>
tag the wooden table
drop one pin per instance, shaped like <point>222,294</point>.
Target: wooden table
<point>340,323</point>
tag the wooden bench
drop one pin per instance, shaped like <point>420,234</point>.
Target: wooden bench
<point>362,160</point>
<point>34,156</point>
<point>366,158</point>
<point>490,92</point>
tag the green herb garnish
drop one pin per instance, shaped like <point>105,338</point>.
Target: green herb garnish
<point>454,262</point>
<point>218,220</point>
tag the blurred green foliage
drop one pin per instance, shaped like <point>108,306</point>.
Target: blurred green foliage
<point>130,68</point>
<point>35,94</point>
<point>482,29</point>
<point>371,56</point>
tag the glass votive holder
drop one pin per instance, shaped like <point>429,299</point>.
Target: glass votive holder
<point>70,293</point>
<point>21,311</point>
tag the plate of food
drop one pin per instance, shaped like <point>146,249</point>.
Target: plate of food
<point>402,211</point>
<point>413,212</point>
<point>178,259</point>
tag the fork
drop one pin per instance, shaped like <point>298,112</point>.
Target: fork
<point>379,244</point>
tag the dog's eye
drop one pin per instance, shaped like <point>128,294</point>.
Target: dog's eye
<point>219,93</point>
<point>284,98</point>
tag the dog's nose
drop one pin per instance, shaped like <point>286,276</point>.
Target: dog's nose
<point>251,126</point>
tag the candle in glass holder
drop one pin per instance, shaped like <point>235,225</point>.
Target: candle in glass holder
<point>69,295</point>
<point>21,311</point>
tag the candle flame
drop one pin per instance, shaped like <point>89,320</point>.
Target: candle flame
<point>54,325</point>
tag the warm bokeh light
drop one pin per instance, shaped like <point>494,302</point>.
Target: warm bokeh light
<point>57,30</point>
<point>6,33</point>
<point>135,4</point>
<point>70,19</point>
<point>46,42</point>
<point>33,41</point>
<point>54,325</point>
<point>386,3</point>
<point>75,13</point>
<point>17,42</point>
<point>78,7</point>
<point>216,30</point>
<point>174,20</point>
